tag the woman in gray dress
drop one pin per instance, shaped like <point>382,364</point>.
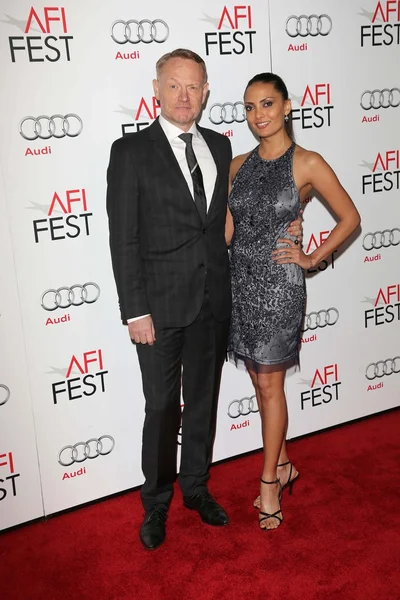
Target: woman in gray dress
<point>267,266</point>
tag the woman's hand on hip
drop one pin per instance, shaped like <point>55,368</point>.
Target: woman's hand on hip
<point>293,253</point>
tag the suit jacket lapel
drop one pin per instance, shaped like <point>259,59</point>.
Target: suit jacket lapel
<point>166,156</point>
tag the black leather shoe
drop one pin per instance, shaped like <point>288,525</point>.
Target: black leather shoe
<point>208,508</point>
<point>152,531</point>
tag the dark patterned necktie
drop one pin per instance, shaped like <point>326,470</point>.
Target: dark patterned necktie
<point>197,177</point>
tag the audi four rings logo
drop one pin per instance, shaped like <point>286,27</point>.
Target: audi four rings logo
<point>4,394</point>
<point>81,451</point>
<point>381,239</point>
<point>384,98</point>
<point>145,31</point>
<point>322,318</point>
<point>229,112</point>
<point>383,367</point>
<point>243,407</point>
<point>76,295</point>
<point>305,25</point>
<point>56,126</point>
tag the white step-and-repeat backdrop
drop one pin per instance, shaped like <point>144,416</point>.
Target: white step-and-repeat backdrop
<point>76,77</point>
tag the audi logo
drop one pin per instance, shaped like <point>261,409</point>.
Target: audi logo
<point>227,113</point>
<point>144,31</point>
<point>243,407</point>
<point>321,318</point>
<point>76,295</point>
<point>81,451</point>
<point>383,367</point>
<point>4,394</point>
<point>305,25</point>
<point>58,126</point>
<point>381,239</point>
<point>384,98</point>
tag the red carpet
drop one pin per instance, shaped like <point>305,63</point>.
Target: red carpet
<point>339,541</point>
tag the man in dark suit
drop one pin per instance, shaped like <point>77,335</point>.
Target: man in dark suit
<point>166,201</point>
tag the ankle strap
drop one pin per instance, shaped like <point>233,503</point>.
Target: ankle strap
<point>269,482</point>
<point>284,464</point>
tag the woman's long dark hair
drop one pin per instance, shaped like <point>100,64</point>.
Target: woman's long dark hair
<point>280,87</point>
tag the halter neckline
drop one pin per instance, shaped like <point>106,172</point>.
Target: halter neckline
<point>274,159</point>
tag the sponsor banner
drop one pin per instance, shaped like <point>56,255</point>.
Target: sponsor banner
<point>64,102</point>
<point>20,489</point>
<point>333,114</point>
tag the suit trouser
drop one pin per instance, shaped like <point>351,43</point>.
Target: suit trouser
<point>194,356</point>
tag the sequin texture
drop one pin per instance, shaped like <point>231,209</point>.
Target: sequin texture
<point>268,298</point>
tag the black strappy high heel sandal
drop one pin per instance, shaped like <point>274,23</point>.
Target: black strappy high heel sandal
<point>290,482</point>
<point>276,513</point>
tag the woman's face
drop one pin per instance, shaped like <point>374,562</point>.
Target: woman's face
<point>265,109</point>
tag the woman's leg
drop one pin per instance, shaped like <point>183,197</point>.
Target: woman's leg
<point>253,377</point>
<point>282,472</point>
<point>274,424</point>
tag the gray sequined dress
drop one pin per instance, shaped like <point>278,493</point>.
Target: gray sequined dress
<point>268,298</point>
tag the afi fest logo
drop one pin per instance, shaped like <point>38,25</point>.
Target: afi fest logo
<point>73,221</point>
<point>147,111</point>
<point>133,32</point>
<point>7,475</point>
<point>385,175</point>
<point>385,25</point>
<point>47,38</point>
<point>314,242</point>
<point>73,388</point>
<point>389,311</point>
<point>315,106</point>
<point>323,388</point>
<point>303,28</point>
<point>235,33</point>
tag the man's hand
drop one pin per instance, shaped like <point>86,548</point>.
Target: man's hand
<point>142,331</point>
<point>296,228</point>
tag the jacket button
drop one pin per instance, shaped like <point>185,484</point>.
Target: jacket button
<point>201,266</point>
<point>204,230</point>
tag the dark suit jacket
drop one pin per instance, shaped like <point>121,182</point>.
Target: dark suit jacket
<point>162,253</point>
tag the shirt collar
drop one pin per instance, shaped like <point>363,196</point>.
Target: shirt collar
<point>172,131</point>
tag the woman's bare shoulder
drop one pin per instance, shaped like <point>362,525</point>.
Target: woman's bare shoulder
<point>308,158</point>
